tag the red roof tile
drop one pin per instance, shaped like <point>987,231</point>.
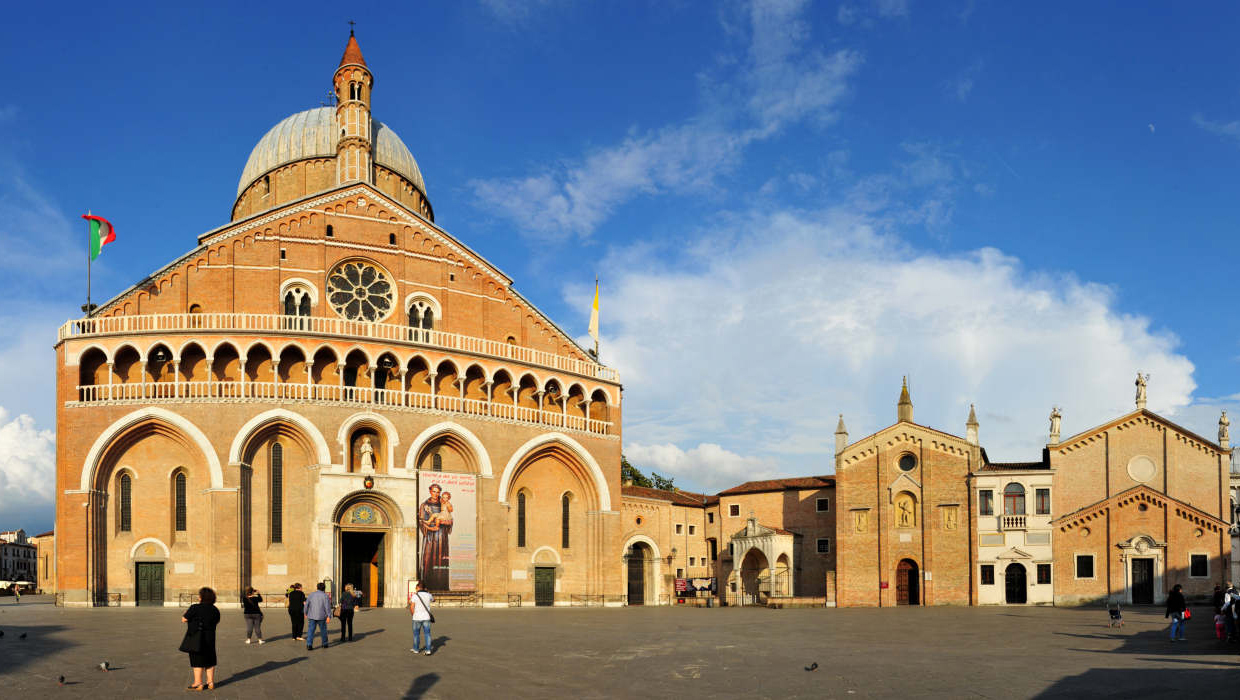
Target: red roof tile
<point>352,52</point>
<point>794,483</point>
<point>680,498</point>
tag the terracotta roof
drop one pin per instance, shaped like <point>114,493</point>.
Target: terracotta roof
<point>794,483</point>
<point>680,498</point>
<point>352,52</point>
<point>46,534</point>
<point>1013,466</point>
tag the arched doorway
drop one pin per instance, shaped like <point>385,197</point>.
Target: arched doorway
<point>362,526</point>
<point>1015,586</point>
<point>908,592</point>
<point>639,556</point>
<point>755,578</point>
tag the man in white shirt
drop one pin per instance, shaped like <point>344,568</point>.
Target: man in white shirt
<point>420,609</point>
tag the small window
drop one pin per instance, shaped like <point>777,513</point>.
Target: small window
<point>1198,565</point>
<point>692,561</point>
<point>1044,574</point>
<point>1084,566</point>
<point>823,505</point>
<point>988,574</point>
<point>329,231</point>
<point>714,549</point>
<point>734,510</point>
<point>680,573</point>
<point>283,254</point>
<point>908,463</point>
<point>520,519</point>
<point>451,276</point>
<point>564,501</point>
<point>1042,502</point>
<point>125,512</point>
<point>436,462</point>
<point>986,502</point>
<point>511,340</point>
<point>824,545</point>
<point>391,239</point>
<point>679,528</point>
<point>1014,499</point>
<point>710,518</point>
<point>178,486</point>
<point>692,528</point>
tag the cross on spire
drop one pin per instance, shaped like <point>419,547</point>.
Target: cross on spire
<point>351,23</point>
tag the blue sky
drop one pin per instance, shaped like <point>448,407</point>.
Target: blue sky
<point>790,204</point>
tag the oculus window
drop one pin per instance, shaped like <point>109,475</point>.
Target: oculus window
<point>908,463</point>
<point>359,291</point>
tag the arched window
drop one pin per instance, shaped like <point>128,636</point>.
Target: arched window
<point>124,510</point>
<point>391,239</point>
<point>428,319</point>
<point>564,521</point>
<point>1014,499</point>
<point>329,231</point>
<point>436,462</point>
<point>520,519</point>
<point>266,185</point>
<point>277,493</point>
<point>178,501</point>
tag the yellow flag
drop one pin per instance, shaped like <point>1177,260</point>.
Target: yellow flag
<point>594,314</point>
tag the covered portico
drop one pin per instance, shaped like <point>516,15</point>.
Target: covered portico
<point>767,557</point>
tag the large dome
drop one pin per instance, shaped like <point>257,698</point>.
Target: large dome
<point>312,134</point>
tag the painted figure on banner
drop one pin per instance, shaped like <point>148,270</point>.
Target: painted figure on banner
<point>435,525</point>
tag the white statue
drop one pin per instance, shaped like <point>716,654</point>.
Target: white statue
<point>1224,422</point>
<point>1056,418</point>
<point>368,454</point>
<point>1141,389</point>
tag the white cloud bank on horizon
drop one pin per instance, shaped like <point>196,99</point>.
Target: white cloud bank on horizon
<point>27,473</point>
<point>737,357</point>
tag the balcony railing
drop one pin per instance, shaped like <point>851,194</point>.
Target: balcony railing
<point>276,324</point>
<point>1012,522</point>
<point>332,393</point>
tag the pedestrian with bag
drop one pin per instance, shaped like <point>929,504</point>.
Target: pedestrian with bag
<point>297,611</point>
<point>200,622</point>
<point>348,601</point>
<point>318,613</point>
<point>420,609</point>
<point>253,615</point>
<point>1176,606</point>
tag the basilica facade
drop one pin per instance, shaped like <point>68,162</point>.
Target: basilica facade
<point>332,387</point>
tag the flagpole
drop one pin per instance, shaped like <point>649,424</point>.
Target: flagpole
<point>88,307</point>
<point>596,334</point>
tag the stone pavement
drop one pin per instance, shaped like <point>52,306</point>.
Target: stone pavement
<point>633,652</point>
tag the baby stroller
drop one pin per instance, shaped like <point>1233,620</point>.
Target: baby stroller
<point>1115,614</point>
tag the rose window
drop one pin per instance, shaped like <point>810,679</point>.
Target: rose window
<point>360,291</point>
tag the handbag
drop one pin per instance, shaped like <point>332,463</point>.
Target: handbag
<point>1188,614</point>
<point>423,603</point>
<point>192,643</point>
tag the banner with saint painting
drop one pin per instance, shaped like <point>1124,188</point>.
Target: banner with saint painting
<point>448,531</point>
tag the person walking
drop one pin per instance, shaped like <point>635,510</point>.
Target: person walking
<point>253,615</point>
<point>297,611</point>
<point>420,609</point>
<point>201,620</point>
<point>17,594</point>
<point>1230,611</point>
<point>318,613</point>
<point>348,601</point>
<point>1175,610</point>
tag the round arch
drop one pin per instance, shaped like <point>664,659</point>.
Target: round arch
<point>390,508</point>
<point>191,431</point>
<point>133,551</point>
<point>375,420</point>
<point>301,282</point>
<point>480,451</point>
<point>651,579</point>
<point>274,415</point>
<point>600,481</point>
<point>554,555</point>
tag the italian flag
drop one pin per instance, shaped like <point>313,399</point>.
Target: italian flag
<point>101,234</point>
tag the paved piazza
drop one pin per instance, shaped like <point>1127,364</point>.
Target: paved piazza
<point>653,652</point>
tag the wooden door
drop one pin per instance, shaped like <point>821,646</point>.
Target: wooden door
<point>544,585</point>
<point>150,576</point>
<point>1016,587</point>
<point>637,578</point>
<point>907,592</point>
<point>1143,581</point>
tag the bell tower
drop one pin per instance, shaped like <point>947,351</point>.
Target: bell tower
<point>353,83</point>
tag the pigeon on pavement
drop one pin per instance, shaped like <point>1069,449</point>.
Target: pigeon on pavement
<point>104,667</point>
<point>60,681</point>
<point>22,635</point>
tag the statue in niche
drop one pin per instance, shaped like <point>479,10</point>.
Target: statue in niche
<point>1141,382</point>
<point>1056,419</point>
<point>905,515</point>
<point>367,454</point>
<point>1224,423</point>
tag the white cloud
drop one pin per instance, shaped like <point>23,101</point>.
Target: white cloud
<point>961,86</point>
<point>709,466</point>
<point>27,472</point>
<point>755,344</point>
<point>1229,130</point>
<point>781,82</point>
<point>515,13</point>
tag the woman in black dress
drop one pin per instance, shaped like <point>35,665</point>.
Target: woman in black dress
<point>297,610</point>
<point>203,616</point>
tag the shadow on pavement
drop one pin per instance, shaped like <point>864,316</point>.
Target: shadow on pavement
<point>1128,682</point>
<point>40,641</point>
<point>440,643</point>
<point>421,684</point>
<point>258,671</point>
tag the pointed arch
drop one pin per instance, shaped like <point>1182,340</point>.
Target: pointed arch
<point>573,447</point>
<point>158,415</point>
<point>460,431</point>
<point>275,415</point>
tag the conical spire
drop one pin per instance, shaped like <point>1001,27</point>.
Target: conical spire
<point>841,436</point>
<point>970,427</point>
<point>972,416</point>
<point>904,410</point>
<point>352,52</point>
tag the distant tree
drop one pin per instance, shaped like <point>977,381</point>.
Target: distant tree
<point>628,472</point>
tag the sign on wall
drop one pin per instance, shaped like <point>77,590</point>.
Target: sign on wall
<point>448,531</point>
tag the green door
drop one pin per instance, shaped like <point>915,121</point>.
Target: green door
<point>150,583</point>
<point>544,585</point>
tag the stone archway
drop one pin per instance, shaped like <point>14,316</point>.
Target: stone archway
<point>908,580</point>
<point>368,547</point>
<point>755,578</point>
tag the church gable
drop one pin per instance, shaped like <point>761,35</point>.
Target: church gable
<point>904,436</point>
<point>1139,419</point>
<point>1139,500</point>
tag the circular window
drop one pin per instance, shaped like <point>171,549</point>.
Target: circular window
<point>639,520</point>
<point>359,291</point>
<point>1084,532</point>
<point>1142,507</point>
<point>907,463</point>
